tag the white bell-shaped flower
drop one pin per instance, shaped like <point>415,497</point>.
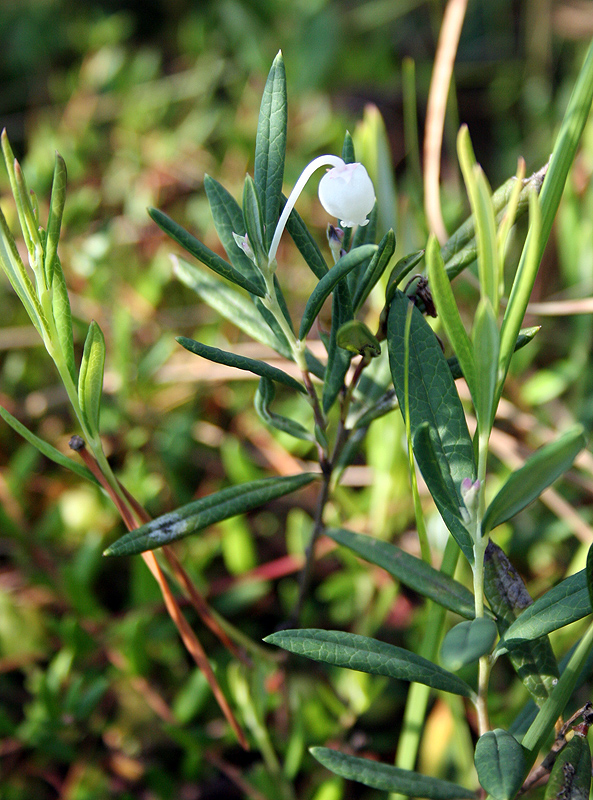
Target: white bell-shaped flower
<point>347,192</point>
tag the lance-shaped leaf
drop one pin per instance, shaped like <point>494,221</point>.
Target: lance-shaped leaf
<point>483,211</point>
<point>589,573</point>
<point>377,266</point>
<point>500,764</point>
<point>228,219</point>
<point>409,570</point>
<point>440,489</point>
<point>449,314</point>
<point>433,396</point>
<point>361,653</point>
<point>442,444</point>
<point>46,449</point>
<point>365,234</point>
<point>534,661</point>
<point>338,359</point>
<point>12,264</point>
<point>195,248</point>
<point>328,283</point>
<point>254,224</point>
<point>553,708</point>
<point>54,220</point>
<point>22,198</point>
<point>539,471</point>
<point>63,316</point>
<point>306,244</point>
<point>240,362</point>
<point>206,511</point>
<point>240,310</point>
<point>524,337</point>
<point>270,146</point>
<point>402,268</point>
<point>460,250</point>
<point>231,304</point>
<point>90,377</point>
<point>486,341</point>
<point>388,778</point>
<point>570,778</point>
<point>264,397</point>
<point>467,642</point>
<point>567,602</point>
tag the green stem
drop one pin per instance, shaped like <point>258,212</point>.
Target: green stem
<point>418,694</point>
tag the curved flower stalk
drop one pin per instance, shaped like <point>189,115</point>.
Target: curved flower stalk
<point>345,191</point>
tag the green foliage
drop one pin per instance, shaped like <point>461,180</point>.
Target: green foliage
<point>500,764</point>
<point>88,660</point>
<point>205,512</point>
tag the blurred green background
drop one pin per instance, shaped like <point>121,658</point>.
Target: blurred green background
<point>97,695</point>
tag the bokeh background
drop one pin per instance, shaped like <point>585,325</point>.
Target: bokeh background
<point>142,99</point>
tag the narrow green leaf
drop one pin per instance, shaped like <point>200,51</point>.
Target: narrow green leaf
<point>570,778</point>
<point>539,471</point>
<point>377,266</point>
<point>433,396</point>
<point>466,233</point>
<point>270,146</point>
<point>441,490</point>
<point>16,273</point>
<point>553,708</point>
<point>54,220</point>
<point>589,573</point>
<point>63,316</point>
<point>351,651</point>
<point>567,602</point>
<point>206,511</point>
<point>525,336</point>
<point>254,224</point>
<point>388,778</point>
<point>565,147</point>
<point>521,290</point>
<point>348,154</point>
<point>409,570</point>
<point>328,283</point>
<point>90,378</point>
<point>500,764</point>
<point>467,642</point>
<point>240,310</point>
<point>384,405</point>
<point>21,199</point>
<point>46,449</point>
<point>306,244</point>
<point>364,234</point>
<point>231,304</point>
<point>402,268</point>
<point>533,661</point>
<point>264,397</point>
<point>483,212</point>
<point>240,362</point>
<point>228,219</point>
<point>449,314</point>
<point>444,452</point>
<point>486,342</point>
<point>338,359</point>
<point>203,253</point>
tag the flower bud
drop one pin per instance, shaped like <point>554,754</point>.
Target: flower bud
<point>347,192</point>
